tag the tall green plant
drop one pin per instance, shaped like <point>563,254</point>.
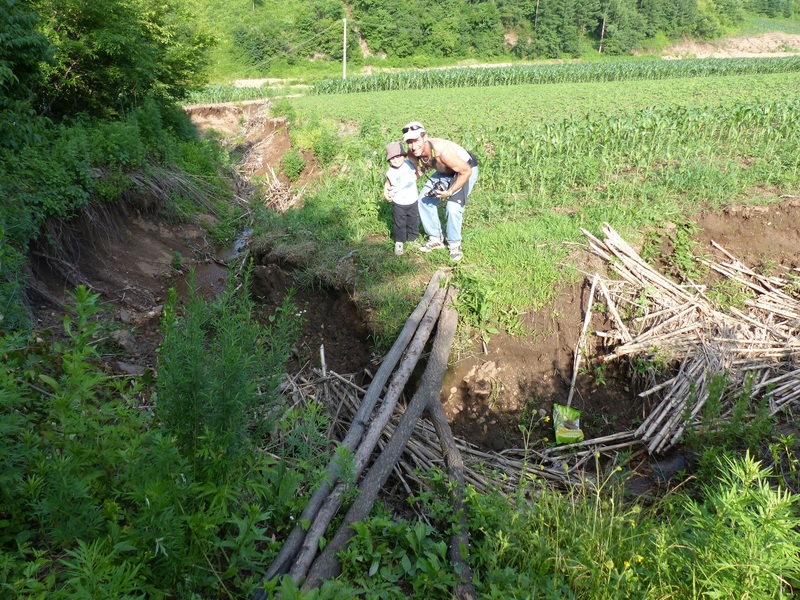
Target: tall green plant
<point>95,499</point>
<point>743,540</point>
<point>218,372</point>
<point>21,52</point>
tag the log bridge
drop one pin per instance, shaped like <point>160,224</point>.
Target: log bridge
<point>299,556</point>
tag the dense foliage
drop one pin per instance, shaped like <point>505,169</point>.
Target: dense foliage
<point>110,55</point>
<point>264,37</point>
<point>97,498</point>
<point>73,61</point>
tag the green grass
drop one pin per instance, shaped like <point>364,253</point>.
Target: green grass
<point>513,107</point>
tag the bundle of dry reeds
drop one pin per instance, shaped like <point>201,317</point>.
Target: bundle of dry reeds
<point>279,196</point>
<point>755,349</point>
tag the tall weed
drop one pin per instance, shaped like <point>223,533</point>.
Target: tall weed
<point>96,499</point>
<point>218,373</point>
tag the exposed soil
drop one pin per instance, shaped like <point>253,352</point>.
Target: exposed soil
<point>767,44</point>
<point>132,260</point>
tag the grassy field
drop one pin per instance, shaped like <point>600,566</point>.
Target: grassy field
<point>553,159</point>
<point>517,106</point>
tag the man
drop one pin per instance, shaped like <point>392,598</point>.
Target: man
<point>455,173</point>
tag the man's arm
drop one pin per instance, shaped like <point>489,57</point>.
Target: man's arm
<point>418,170</point>
<point>447,157</point>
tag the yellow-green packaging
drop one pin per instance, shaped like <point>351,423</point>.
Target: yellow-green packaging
<point>567,422</point>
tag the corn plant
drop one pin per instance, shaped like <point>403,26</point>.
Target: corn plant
<point>548,74</point>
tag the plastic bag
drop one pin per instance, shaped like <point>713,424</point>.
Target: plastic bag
<point>567,422</point>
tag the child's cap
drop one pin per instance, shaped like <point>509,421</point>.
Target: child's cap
<point>394,149</point>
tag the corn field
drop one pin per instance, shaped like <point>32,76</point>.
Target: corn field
<point>566,73</point>
<point>214,94</point>
<point>589,154</point>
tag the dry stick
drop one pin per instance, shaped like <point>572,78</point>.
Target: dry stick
<point>656,329</point>
<point>626,335</point>
<point>365,449</point>
<point>459,542</point>
<point>778,406</point>
<point>592,443</point>
<point>578,352</point>
<point>622,250</point>
<point>294,541</point>
<point>696,375</point>
<point>647,427</point>
<point>327,563</point>
<point>740,267</point>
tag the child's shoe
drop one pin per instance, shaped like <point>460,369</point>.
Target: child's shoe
<point>455,252</point>
<point>398,248</point>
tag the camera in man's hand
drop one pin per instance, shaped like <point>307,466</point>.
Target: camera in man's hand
<point>438,186</point>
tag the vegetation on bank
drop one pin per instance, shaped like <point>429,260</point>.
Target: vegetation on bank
<point>184,484</point>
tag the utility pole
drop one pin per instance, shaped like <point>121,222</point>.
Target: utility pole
<point>344,50</point>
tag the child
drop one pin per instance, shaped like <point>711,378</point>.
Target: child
<point>400,188</point>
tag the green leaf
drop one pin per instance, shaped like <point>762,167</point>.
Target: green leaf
<point>50,381</point>
<point>405,562</point>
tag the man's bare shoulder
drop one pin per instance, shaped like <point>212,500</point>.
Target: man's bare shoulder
<point>447,152</point>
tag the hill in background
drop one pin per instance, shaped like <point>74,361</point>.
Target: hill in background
<point>267,38</point>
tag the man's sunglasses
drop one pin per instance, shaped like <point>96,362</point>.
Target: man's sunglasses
<point>412,128</point>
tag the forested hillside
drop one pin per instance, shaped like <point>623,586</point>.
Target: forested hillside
<point>262,37</point>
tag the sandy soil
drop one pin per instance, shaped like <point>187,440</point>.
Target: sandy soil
<point>768,44</point>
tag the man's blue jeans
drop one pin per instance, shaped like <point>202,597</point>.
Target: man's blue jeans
<point>429,209</point>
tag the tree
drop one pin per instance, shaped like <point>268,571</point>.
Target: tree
<point>22,49</point>
<point>111,54</point>
<point>621,26</point>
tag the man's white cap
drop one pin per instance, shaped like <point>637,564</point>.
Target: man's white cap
<point>413,130</point>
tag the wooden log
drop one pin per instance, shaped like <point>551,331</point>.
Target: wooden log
<point>327,564</point>
<point>294,541</point>
<point>626,335</point>
<point>459,541</point>
<point>577,357</point>
<point>370,440</point>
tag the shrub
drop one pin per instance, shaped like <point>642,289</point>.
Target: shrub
<point>96,500</point>
<point>293,164</point>
<point>218,372</point>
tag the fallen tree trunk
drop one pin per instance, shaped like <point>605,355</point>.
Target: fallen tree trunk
<point>294,541</point>
<point>459,541</point>
<point>327,565</point>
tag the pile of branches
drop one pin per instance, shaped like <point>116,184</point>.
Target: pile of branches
<point>755,350</point>
<point>279,196</point>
